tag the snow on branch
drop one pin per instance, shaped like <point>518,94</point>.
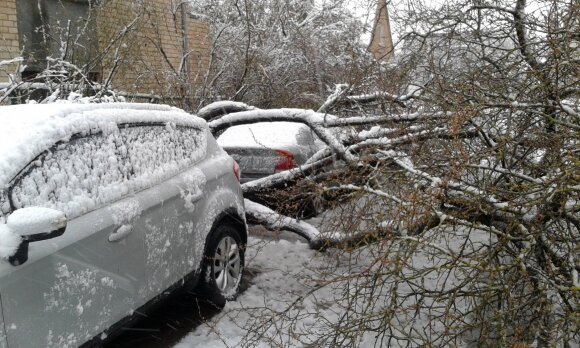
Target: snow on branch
<point>369,190</point>
<point>221,108</point>
<point>365,120</point>
<point>332,99</point>
<point>265,216</point>
<point>11,61</point>
<point>285,176</point>
<point>403,161</point>
<point>316,121</point>
<point>384,96</point>
<point>414,135</point>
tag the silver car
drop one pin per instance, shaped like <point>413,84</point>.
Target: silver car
<point>104,208</point>
<point>265,148</point>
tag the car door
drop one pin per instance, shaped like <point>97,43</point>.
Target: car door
<point>75,286</point>
<point>3,343</point>
<point>163,158</point>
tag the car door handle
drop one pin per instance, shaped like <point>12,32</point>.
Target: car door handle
<point>121,233</point>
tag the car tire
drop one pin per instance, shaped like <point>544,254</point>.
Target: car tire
<point>223,265</point>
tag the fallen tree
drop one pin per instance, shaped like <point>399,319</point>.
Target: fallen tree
<point>464,186</point>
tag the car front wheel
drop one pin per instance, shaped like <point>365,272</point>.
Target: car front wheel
<point>223,265</point>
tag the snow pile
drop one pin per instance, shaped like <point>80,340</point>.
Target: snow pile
<point>9,242</point>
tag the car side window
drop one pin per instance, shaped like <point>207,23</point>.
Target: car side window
<point>157,152</point>
<point>75,176</point>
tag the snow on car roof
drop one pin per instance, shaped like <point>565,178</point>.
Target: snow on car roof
<point>27,130</point>
<point>263,134</point>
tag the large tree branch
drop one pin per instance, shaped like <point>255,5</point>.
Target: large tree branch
<point>257,213</point>
<point>217,109</point>
<point>314,120</point>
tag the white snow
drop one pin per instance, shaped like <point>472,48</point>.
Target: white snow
<point>9,242</point>
<point>276,221</point>
<point>114,161</point>
<point>263,134</point>
<point>221,107</point>
<point>299,294</point>
<point>35,220</point>
<point>278,263</point>
<point>27,130</point>
<point>125,211</point>
<point>192,190</point>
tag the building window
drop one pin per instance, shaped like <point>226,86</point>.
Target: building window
<point>53,28</point>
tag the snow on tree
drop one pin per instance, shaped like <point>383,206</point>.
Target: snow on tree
<point>272,53</point>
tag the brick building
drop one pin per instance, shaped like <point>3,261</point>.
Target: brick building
<point>139,47</point>
<point>9,42</point>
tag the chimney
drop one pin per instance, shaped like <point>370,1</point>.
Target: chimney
<point>381,45</point>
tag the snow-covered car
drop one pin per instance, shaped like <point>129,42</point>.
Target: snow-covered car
<point>104,209</point>
<point>265,148</point>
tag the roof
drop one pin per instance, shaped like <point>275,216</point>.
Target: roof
<point>27,130</point>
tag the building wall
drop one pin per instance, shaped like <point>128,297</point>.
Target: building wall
<point>146,58</point>
<point>200,48</point>
<point>140,41</point>
<point>9,45</point>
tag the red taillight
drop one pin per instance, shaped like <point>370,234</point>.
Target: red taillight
<point>285,160</point>
<point>237,172</point>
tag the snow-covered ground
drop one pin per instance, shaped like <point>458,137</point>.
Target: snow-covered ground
<point>286,270</point>
<point>292,282</point>
<point>298,295</point>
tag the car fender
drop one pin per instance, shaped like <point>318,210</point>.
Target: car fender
<point>222,204</point>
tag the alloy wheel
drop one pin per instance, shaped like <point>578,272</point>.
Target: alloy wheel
<point>227,265</point>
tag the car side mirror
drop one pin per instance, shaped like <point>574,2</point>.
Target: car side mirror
<point>34,224</point>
